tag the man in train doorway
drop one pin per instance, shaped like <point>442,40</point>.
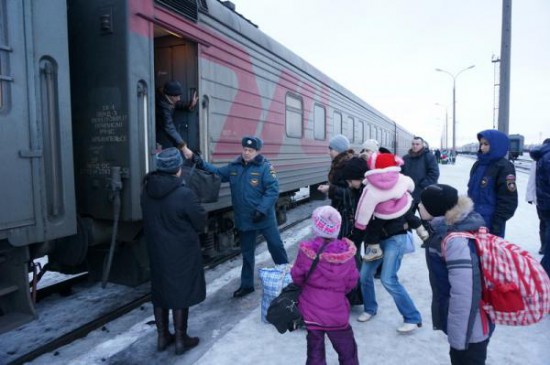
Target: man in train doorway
<point>167,101</point>
<point>254,192</point>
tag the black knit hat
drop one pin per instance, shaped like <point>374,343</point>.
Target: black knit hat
<point>438,199</point>
<point>173,88</point>
<point>354,169</point>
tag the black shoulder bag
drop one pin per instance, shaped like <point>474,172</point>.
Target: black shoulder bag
<point>203,183</point>
<point>283,311</point>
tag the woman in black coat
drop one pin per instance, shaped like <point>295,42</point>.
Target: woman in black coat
<point>172,221</point>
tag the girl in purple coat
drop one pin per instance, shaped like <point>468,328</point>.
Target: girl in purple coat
<point>323,301</point>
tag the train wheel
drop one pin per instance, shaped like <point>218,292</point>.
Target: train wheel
<point>70,252</point>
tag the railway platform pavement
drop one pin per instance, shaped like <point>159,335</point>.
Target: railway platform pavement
<point>232,333</point>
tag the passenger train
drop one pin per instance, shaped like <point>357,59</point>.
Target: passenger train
<point>77,126</point>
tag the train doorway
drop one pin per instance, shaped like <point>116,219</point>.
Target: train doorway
<point>176,58</point>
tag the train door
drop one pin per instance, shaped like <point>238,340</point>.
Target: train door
<point>176,59</point>
<point>17,128</point>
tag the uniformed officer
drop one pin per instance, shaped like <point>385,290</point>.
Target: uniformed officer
<point>492,184</point>
<point>254,192</point>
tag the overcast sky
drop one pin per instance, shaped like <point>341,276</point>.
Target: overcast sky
<point>386,52</point>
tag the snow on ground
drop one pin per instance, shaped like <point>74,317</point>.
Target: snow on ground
<point>253,342</point>
<point>239,337</point>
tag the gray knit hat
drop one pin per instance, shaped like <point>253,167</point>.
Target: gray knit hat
<point>169,160</point>
<point>339,143</point>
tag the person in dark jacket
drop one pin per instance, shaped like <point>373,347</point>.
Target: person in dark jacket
<point>455,274</point>
<point>342,198</point>
<point>254,192</point>
<point>542,158</point>
<point>172,221</point>
<point>492,184</point>
<point>421,166</point>
<point>167,102</point>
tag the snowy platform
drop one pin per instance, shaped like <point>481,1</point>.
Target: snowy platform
<point>231,331</point>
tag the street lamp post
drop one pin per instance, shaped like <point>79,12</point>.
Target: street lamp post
<point>454,99</point>
<point>446,125</point>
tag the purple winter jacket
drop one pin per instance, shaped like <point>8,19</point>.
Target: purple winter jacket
<point>323,301</point>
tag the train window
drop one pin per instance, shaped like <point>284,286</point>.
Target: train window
<point>319,122</point>
<point>347,128</point>
<point>337,123</point>
<point>358,131</point>
<point>294,116</point>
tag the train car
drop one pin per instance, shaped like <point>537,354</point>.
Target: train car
<point>469,149</point>
<point>78,80</point>
<point>516,146</point>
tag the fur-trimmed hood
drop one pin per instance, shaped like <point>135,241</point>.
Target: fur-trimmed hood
<point>336,252</point>
<point>461,217</point>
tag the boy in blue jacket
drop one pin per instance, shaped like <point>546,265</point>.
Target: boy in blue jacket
<point>455,274</point>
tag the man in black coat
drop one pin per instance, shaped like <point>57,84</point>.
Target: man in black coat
<point>421,166</point>
<point>172,221</point>
<point>167,102</point>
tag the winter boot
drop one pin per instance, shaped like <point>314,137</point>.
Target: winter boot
<point>373,252</point>
<point>165,338</point>
<point>183,341</point>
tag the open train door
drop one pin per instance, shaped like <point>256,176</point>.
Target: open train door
<point>177,59</point>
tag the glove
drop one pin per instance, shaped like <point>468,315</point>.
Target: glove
<point>358,235</point>
<point>257,216</point>
<point>422,233</point>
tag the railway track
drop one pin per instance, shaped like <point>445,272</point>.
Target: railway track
<point>296,216</point>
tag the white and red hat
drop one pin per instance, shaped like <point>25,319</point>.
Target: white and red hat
<point>384,162</point>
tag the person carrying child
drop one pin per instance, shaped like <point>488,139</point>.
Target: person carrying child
<point>323,301</point>
<point>455,274</point>
<point>386,196</point>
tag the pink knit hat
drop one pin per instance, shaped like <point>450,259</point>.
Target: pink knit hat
<point>326,222</point>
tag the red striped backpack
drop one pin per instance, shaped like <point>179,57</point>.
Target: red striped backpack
<point>515,289</point>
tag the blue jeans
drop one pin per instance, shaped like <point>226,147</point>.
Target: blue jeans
<point>394,248</point>
<point>248,248</point>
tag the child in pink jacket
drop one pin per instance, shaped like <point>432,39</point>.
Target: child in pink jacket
<point>323,301</point>
<point>386,196</point>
